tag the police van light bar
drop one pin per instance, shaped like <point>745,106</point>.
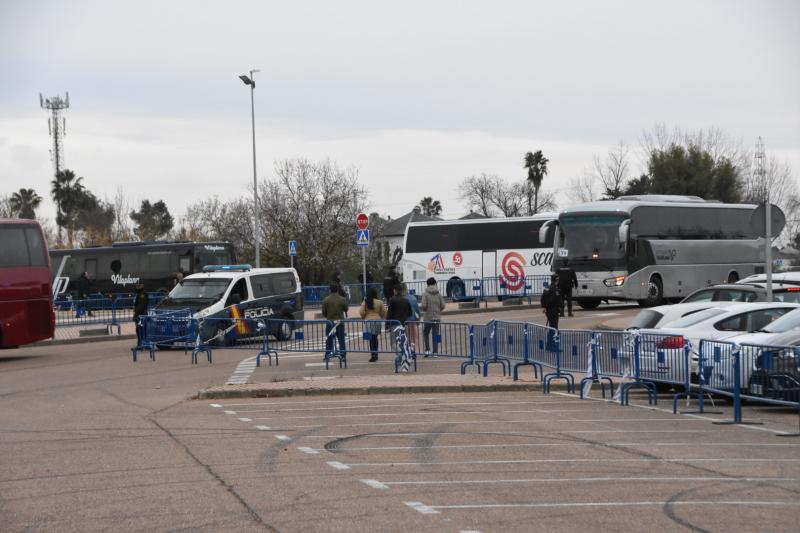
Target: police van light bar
<point>226,268</point>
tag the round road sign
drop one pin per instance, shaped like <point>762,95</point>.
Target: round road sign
<point>362,221</point>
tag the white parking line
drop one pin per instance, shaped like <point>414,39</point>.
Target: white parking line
<point>263,428</point>
<point>451,413</point>
<point>243,371</point>
<point>433,509</point>
<point>650,479</point>
<point>215,405</point>
<point>515,434</point>
<point>283,437</point>
<point>230,412</point>
<point>472,422</point>
<point>345,466</point>
<point>404,399</point>
<point>244,419</point>
<point>306,449</point>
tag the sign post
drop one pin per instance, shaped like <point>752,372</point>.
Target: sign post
<point>362,240</point>
<point>292,252</point>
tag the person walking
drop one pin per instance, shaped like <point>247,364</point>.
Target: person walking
<point>412,324</point>
<point>399,308</point>
<point>389,283</point>
<point>372,309</point>
<point>567,280</point>
<point>83,285</point>
<point>140,303</point>
<point>551,302</point>
<point>334,309</point>
<point>432,305</point>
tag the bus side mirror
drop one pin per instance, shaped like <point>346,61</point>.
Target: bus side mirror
<point>623,234</point>
<point>544,229</point>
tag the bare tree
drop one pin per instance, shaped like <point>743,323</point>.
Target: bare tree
<point>583,188</point>
<point>606,178</point>
<point>5,206</point>
<point>477,193</point>
<point>777,184</point>
<point>121,229</point>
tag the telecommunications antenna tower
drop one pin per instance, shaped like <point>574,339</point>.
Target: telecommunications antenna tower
<point>56,126</point>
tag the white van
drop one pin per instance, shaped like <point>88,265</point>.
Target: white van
<point>240,291</point>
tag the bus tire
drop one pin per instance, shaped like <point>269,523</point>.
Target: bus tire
<point>589,303</point>
<point>284,330</point>
<point>455,289</point>
<point>733,277</point>
<point>655,293</point>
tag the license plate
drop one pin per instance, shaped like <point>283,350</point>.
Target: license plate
<point>585,292</point>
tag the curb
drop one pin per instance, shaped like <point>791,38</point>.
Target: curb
<point>212,394</point>
<point>83,340</point>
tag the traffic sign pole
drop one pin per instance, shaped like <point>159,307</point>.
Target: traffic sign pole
<point>362,239</point>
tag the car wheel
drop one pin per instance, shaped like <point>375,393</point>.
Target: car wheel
<point>589,303</point>
<point>655,293</point>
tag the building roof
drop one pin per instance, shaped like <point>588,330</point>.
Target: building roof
<point>397,227</point>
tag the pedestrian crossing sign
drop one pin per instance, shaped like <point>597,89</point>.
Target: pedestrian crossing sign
<point>292,248</point>
<point>362,237</point>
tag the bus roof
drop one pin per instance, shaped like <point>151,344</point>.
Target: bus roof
<point>627,205</point>
<point>459,222</point>
<point>136,245</point>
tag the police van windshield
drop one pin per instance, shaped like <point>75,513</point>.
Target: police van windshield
<point>209,289</point>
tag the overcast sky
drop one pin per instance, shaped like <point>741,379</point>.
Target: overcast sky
<point>417,95</point>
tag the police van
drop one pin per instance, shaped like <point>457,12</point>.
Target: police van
<point>223,292</point>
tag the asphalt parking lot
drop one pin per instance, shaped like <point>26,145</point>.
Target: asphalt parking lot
<point>509,462</point>
<point>93,442</point>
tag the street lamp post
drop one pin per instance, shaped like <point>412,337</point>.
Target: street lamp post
<point>256,226</point>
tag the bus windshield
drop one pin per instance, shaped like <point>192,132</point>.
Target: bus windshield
<point>587,237</point>
<point>209,289</point>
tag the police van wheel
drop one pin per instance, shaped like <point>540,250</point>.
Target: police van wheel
<point>284,331</point>
<point>589,303</point>
<point>655,293</point>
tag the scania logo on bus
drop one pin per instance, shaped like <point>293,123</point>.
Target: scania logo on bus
<point>542,259</point>
<point>513,267</point>
<point>666,255</point>
<point>214,248</point>
<point>119,279</point>
<point>436,265</point>
<point>458,259</point>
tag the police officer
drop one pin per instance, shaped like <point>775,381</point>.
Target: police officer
<point>567,280</point>
<point>551,302</point>
<point>140,304</point>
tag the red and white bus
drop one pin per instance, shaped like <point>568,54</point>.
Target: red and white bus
<point>26,295</point>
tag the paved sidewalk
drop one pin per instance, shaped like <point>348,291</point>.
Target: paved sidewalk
<point>372,384</point>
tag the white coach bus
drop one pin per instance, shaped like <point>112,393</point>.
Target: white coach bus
<point>655,247</point>
<point>500,251</point>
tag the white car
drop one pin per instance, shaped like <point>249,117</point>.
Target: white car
<point>716,324</point>
<point>655,317</point>
<point>787,278</point>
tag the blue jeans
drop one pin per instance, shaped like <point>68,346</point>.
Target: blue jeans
<point>329,339</point>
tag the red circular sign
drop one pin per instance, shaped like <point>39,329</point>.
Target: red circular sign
<point>458,259</point>
<point>362,221</point>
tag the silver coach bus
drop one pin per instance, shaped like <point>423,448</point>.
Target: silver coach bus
<point>655,247</point>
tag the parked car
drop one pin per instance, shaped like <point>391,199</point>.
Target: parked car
<point>655,317</point>
<point>745,292</point>
<point>786,278</point>
<point>716,323</point>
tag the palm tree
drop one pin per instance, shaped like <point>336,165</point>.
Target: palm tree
<point>68,192</point>
<point>430,207</point>
<point>24,203</point>
<point>536,164</point>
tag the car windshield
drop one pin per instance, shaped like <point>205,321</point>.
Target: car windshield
<point>694,318</point>
<point>646,318</point>
<point>588,237</point>
<point>790,296</point>
<point>210,289</point>
<point>790,320</point>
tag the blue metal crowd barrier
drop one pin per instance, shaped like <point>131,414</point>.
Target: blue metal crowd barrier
<point>110,312</point>
<point>175,329</point>
<point>770,373</point>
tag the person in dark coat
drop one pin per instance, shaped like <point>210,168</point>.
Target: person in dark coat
<point>389,283</point>
<point>567,280</point>
<point>83,286</point>
<point>399,309</point>
<point>334,309</point>
<point>140,303</point>
<point>551,302</point>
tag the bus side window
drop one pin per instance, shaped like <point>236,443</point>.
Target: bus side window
<point>185,263</point>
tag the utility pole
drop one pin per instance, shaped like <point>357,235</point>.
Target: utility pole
<point>256,225</point>
<point>761,177</point>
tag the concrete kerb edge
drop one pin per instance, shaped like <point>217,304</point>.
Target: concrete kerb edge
<point>215,394</point>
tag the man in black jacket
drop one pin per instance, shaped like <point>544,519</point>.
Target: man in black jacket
<point>551,301</point>
<point>567,280</point>
<point>389,283</point>
<point>140,304</point>
<point>399,309</point>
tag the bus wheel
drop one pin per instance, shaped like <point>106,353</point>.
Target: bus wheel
<point>655,293</point>
<point>733,277</point>
<point>589,303</point>
<point>455,289</point>
<point>284,330</point>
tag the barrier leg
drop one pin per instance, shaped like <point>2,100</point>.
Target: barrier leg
<point>503,363</point>
<point>467,364</point>
<point>538,372</point>
<point>649,386</point>
<point>568,378</point>
<point>602,381</point>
